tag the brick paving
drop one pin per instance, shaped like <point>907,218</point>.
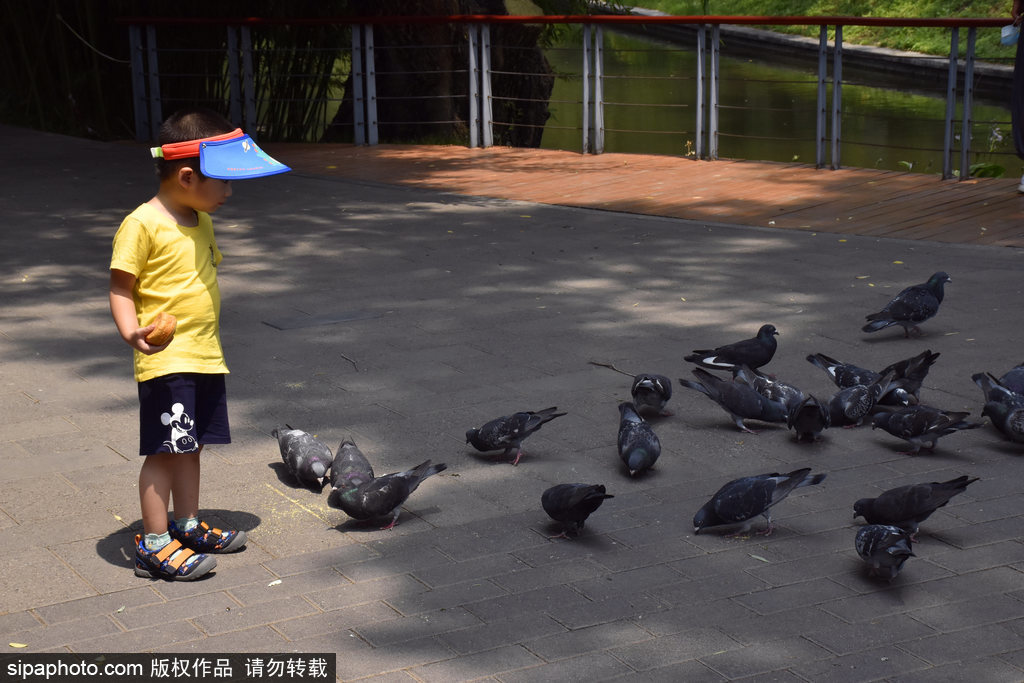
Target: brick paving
<point>457,309</point>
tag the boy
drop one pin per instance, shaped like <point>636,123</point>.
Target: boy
<point>165,258</point>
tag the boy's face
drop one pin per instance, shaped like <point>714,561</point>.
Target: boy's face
<point>201,193</point>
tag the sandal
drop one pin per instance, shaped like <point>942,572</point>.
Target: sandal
<point>171,562</point>
<point>203,539</point>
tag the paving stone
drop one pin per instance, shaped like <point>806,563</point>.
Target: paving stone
<point>588,639</point>
<point>764,657</point>
<point>438,622</point>
<point>337,621</point>
<point>64,633</point>
<point>544,600</point>
<point>344,595</point>
<point>293,584</point>
<point>100,605</point>
<point>253,639</point>
<point>497,661</point>
<point>680,647</point>
<point>954,616</point>
<point>215,581</point>
<point>455,595</point>
<point>264,612</point>
<point>160,634</point>
<point>567,572</point>
<point>691,670</point>
<point>356,662</point>
<point>487,636</point>
<point>581,614</point>
<point>141,616</point>
<point>594,666</point>
<point>331,557</point>
<point>844,639</point>
<point>748,628</point>
<point>15,622</point>
<point>487,567</point>
<point>971,643</point>
<point>882,663</point>
<point>971,669</point>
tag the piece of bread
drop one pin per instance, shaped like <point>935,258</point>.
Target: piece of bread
<point>165,326</point>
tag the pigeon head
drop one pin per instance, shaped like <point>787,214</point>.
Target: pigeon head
<point>704,518</point>
<point>880,420</point>
<point>861,506</point>
<point>471,435</point>
<point>767,332</point>
<point>936,282</point>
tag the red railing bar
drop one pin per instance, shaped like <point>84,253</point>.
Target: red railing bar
<point>936,22</point>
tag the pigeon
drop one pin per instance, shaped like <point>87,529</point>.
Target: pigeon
<point>1014,379</point>
<point>753,352</point>
<point>908,506</point>
<point>808,419</point>
<point>909,308</point>
<point>651,393</point>
<point>848,407</point>
<point>884,548</point>
<point>741,500</point>
<point>1005,408</point>
<point>904,388</point>
<point>737,399</point>
<point>379,497</point>
<point>921,425</point>
<point>350,468</point>
<point>305,457</point>
<point>571,504</point>
<point>510,431</point>
<point>771,389</point>
<point>639,446</point>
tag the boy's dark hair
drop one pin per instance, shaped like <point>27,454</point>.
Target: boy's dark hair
<point>188,124</point>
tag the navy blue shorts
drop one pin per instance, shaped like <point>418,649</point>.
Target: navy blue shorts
<point>181,411</point>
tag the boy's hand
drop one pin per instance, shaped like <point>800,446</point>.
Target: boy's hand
<point>138,341</point>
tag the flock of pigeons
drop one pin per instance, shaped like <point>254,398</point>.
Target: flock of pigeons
<point>889,399</point>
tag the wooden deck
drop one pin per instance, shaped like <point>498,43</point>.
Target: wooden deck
<point>794,196</point>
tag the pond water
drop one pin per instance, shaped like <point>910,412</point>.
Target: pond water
<point>766,112</point>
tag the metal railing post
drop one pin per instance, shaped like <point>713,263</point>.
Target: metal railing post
<point>139,104</point>
<point>819,143</point>
<point>487,115</point>
<point>586,88</point>
<point>155,104</point>
<point>965,128</point>
<point>358,100</point>
<point>234,77</point>
<point>837,95</point>
<point>713,95</point>
<point>698,144</point>
<point>474,90</point>
<point>248,83</point>
<point>598,90</point>
<point>371,89</point>
<point>947,135</point>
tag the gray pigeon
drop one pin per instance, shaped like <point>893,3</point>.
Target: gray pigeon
<point>1005,408</point>
<point>771,389</point>
<point>737,399</point>
<point>382,496</point>
<point>911,307</point>
<point>305,457</point>
<point>921,426</point>
<point>508,432</point>
<point>848,407</point>
<point>571,504</point>
<point>1014,379</point>
<point>753,352</point>
<point>809,418</point>
<point>904,389</point>
<point>908,506</point>
<point>639,446</point>
<point>350,468</point>
<point>741,500</point>
<point>651,393</point>
<point>884,549</point>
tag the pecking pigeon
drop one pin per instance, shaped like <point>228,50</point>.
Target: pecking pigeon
<point>379,497</point>
<point>753,352</point>
<point>508,432</point>
<point>305,457</point>
<point>350,468</point>
<point>741,500</point>
<point>1014,379</point>
<point>571,504</point>
<point>737,399</point>
<point>906,381</point>
<point>771,389</point>
<point>651,393</point>
<point>639,446</point>
<point>884,549</point>
<point>1005,408</point>
<point>808,419</point>
<point>848,407</point>
<point>909,308</point>
<point>921,426</point>
<point>908,506</point>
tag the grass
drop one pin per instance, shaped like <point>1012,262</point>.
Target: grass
<point>926,40</point>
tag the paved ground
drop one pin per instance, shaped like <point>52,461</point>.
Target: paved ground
<point>464,309</point>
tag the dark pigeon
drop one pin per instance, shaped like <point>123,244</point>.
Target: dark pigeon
<point>908,506</point>
<point>808,419</point>
<point>737,399</point>
<point>1014,379</point>
<point>884,549</point>
<point>350,468</point>
<point>742,500</point>
<point>1005,408</point>
<point>771,389</point>
<point>911,307</point>
<point>382,496</point>
<point>305,457</point>
<point>571,504</point>
<point>509,432</point>
<point>639,446</point>
<point>907,376</point>
<point>651,393</point>
<point>848,407</point>
<point>753,352</point>
<point>921,426</point>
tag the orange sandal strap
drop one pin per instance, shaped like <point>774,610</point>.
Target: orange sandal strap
<point>168,550</point>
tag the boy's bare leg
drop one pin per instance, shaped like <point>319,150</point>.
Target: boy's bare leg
<point>185,485</point>
<point>155,481</point>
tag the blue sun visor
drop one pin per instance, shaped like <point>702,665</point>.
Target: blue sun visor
<point>236,158</point>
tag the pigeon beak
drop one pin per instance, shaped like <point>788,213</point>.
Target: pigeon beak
<point>696,531</point>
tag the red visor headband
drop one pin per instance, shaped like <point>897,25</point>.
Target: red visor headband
<point>190,148</point>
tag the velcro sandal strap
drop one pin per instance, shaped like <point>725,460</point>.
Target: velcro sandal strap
<point>168,550</point>
<point>216,532</point>
<point>179,559</point>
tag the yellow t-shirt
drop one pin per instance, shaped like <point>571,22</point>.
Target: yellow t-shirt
<point>176,271</point>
